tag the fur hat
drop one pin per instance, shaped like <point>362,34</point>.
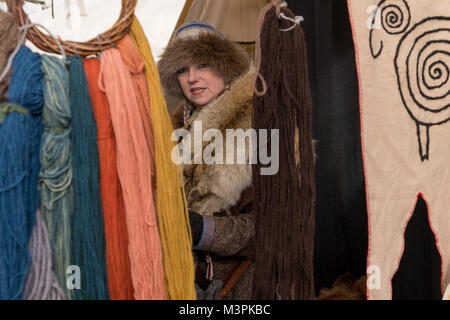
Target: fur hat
<point>195,43</point>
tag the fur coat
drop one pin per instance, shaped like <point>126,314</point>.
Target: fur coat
<point>223,194</point>
<point>215,187</point>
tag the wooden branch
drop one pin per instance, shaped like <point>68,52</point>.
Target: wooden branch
<point>31,1</point>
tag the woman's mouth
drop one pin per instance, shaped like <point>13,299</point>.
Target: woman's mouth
<point>197,91</point>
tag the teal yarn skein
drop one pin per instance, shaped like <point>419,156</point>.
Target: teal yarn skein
<point>88,239</point>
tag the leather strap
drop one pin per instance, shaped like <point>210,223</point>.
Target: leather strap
<point>234,276</point>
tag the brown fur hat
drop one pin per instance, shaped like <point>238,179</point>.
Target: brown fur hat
<point>226,58</point>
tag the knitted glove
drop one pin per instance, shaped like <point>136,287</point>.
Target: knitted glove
<point>196,221</point>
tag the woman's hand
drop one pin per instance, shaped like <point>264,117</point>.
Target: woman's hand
<point>196,222</point>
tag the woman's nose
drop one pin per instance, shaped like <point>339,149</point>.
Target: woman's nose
<point>193,75</point>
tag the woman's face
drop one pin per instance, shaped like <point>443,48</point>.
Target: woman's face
<point>199,84</point>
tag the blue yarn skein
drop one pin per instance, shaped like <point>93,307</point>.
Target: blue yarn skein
<point>15,150</point>
<point>88,237</point>
<point>20,135</point>
<point>25,90</point>
<point>25,87</point>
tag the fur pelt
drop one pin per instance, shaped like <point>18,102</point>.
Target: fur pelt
<point>225,58</point>
<point>346,287</point>
<point>214,187</point>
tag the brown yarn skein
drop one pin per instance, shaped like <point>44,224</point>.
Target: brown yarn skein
<point>9,36</point>
<point>284,202</point>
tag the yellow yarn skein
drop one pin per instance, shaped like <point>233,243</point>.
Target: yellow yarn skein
<point>175,231</point>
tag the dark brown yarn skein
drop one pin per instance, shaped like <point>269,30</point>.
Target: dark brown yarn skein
<point>4,88</point>
<point>9,37</point>
<point>284,202</point>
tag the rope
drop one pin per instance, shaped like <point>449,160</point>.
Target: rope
<point>176,238</point>
<point>296,21</point>
<point>277,4</point>
<point>21,40</point>
<point>8,108</point>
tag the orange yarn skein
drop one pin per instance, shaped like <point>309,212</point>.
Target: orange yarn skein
<point>132,59</point>
<point>134,169</point>
<point>116,234</point>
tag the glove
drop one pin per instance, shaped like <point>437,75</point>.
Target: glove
<point>196,222</point>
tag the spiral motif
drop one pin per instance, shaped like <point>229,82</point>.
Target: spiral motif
<point>422,65</point>
<point>395,16</point>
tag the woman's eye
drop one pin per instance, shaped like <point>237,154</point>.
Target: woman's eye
<point>182,70</point>
<point>202,65</point>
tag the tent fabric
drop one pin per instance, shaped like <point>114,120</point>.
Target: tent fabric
<point>236,19</point>
<point>341,216</point>
<point>182,17</point>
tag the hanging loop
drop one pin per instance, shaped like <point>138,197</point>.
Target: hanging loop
<point>23,33</point>
<point>296,20</point>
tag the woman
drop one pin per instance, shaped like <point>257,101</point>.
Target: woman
<point>213,79</point>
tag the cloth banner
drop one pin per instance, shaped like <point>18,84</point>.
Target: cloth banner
<point>402,53</point>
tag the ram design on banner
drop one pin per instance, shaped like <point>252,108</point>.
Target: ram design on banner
<point>403,60</point>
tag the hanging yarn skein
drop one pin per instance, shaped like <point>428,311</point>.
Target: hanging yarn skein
<point>41,283</point>
<point>55,176</point>
<point>8,41</point>
<point>176,238</point>
<point>19,158</point>
<point>27,81</point>
<point>4,89</point>
<point>285,214</point>
<point>8,37</point>
<point>26,89</point>
<point>88,239</point>
<point>132,59</point>
<point>116,233</point>
<point>134,169</point>
<point>16,127</point>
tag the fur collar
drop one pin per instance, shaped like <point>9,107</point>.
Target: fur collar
<point>216,187</point>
